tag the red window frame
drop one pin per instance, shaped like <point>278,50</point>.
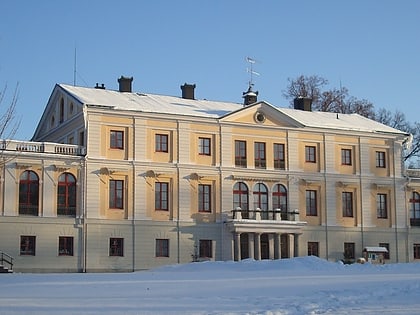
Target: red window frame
<point>162,247</point>
<point>310,154</point>
<point>65,245</point>
<point>381,206</point>
<point>116,139</point>
<point>29,193</point>
<point>161,143</point>
<point>116,194</point>
<point>279,160</point>
<point>380,159</point>
<point>240,153</point>
<point>116,246</point>
<point>346,157</point>
<point>311,203</point>
<point>259,153</point>
<point>240,196</point>
<point>204,146</point>
<point>347,203</point>
<point>204,198</point>
<point>66,195</point>
<point>27,245</point>
<point>313,249</point>
<point>162,196</point>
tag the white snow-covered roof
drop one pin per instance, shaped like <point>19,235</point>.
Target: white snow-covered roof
<point>155,103</point>
<point>152,103</point>
<point>329,120</point>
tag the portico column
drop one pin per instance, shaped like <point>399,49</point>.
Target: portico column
<point>271,246</point>
<point>237,246</point>
<point>296,245</point>
<point>291,245</point>
<point>257,243</point>
<point>251,245</point>
<point>277,246</point>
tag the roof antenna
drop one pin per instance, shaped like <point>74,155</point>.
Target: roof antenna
<point>251,71</point>
<point>250,96</point>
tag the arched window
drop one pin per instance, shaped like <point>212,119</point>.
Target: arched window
<point>66,195</point>
<point>280,199</point>
<point>261,199</point>
<point>240,198</point>
<point>28,193</point>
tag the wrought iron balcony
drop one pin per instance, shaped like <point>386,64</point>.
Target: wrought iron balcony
<point>270,215</point>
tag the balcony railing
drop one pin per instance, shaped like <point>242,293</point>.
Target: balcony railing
<point>414,173</point>
<point>42,147</point>
<point>272,215</point>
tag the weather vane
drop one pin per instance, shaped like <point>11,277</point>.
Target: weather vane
<point>251,71</point>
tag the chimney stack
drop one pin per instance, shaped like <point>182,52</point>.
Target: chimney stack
<point>125,84</point>
<point>188,91</point>
<point>303,103</point>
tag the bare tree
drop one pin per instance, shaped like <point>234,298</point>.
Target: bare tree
<point>398,121</point>
<point>339,101</point>
<point>9,124</point>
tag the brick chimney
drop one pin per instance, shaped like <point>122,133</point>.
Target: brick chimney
<point>188,91</point>
<point>303,103</point>
<point>125,84</point>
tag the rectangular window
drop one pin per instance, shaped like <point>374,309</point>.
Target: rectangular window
<point>345,156</point>
<point>27,245</point>
<point>279,160</point>
<point>117,139</point>
<point>259,151</point>
<point>311,203</point>
<point>161,196</point>
<point>381,206</point>
<point>416,250</point>
<point>380,159</point>
<point>206,250</point>
<point>415,209</point>
<point>116,193</point>
<point>204,198</point>
<point>313,249</point>
<point>347,203</point>
<point>240,153</point>
<point>204,146</point>
<point>162,247</point>
<point>116,246</point>
<point>349,251</point>
<point>386,245</point>
<point>310,154</point>
<point>161,143</point>
<point>65,246</point>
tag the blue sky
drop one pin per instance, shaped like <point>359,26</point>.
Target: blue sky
<point>371,47</point>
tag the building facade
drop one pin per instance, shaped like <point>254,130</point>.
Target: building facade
<point>115,180</point>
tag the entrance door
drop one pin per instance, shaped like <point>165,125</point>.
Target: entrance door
<point>285,246</point>
<point>244,246</point>
<point>265,248</point>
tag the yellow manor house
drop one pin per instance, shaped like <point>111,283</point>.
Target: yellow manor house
<point>115,180</point>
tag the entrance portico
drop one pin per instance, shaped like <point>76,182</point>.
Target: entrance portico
<point>265,239</point>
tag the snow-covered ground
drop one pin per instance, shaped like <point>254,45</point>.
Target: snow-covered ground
<point>304,285</point>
